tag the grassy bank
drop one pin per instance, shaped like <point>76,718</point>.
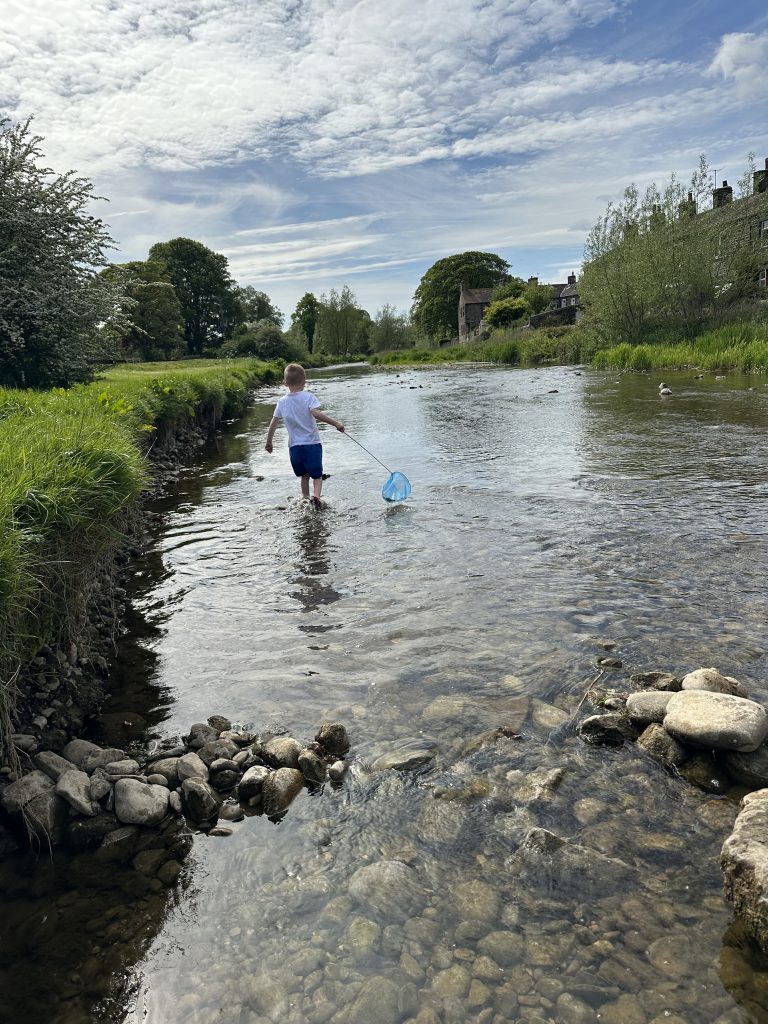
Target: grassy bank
<point>737,347</point>
<point>72,469</point>
<point>510,348</point>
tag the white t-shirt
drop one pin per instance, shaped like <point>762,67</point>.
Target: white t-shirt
<point>295,411</point>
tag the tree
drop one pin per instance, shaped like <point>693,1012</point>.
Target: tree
<point>205,290</point>
<point>538,296</point>
<point>391,330</point>
<point>154,327</point>
<point>305,317</point>
<point>264,340</point>
<point>655,267</point>
<point>53,300</point>
<point>342,327</point>
<point>505,312</point>
<point>436,300</point>
<point>256,306</point>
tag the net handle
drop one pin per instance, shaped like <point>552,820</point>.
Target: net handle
<point>347,434</point>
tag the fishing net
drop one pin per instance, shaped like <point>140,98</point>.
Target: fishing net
<point>397,487</point>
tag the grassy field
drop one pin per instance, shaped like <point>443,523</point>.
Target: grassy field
<point>510,348</point>
<point>72,469</point>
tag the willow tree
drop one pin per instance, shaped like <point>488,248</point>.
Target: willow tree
<point>663,264</point>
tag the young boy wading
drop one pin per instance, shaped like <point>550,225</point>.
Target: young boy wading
<point>300,410</point>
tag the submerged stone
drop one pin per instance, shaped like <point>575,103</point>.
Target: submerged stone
<point>407,755</point>
<point>389,888</point>
<point>750,768</point>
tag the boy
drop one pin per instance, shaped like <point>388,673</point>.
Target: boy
<point>299,410</point>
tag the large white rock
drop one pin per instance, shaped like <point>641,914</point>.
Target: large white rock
<point>20,793</point>
<point>52,764</point>
<point>137,803</point>
<point>716,721</point>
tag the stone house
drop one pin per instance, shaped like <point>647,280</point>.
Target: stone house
<point>473,303</point>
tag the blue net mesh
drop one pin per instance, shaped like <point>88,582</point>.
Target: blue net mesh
<point>397,488</point>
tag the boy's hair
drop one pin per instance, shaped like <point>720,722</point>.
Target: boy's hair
<point>294,374</point>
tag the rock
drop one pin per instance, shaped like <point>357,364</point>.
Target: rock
<point>169,767</point>
<point>662,747</point>
<point>24,742</point>
<point>146,862</point>
<point>749,769</point>
<point>191,767</point>
<point>333,738</point>
<point>672,957</point>
<point>137,803</point>
<point>125,767</point>
<point>452,983</point>
<point>222,764</point>
<point>608,662</point>
<point>231,812</point>
<point>702,770</point>
<point>226,780</point>
<point>200,734</point>
<point>312,767</point>
<point>475,900</point>
<point>389,888</point>
<point>540,785</point>
<point>155,779</point>
<point>647,707</point>
<point>210,752</point>
<point>88,833</point>
<point>198,800</point>
<point>279,789</point>
<point>549,861</point>
<point>506,948</point>
<point>76,751</point>
<point>174,802</point>
<point>241,737</point>
<point>219,724</point>
<point>337,771</point>
<point>221,831</point>
<point>656,681</point>
<point>744,860</point>
<point>716,721</point>
<point>547,716</point>
<point>571,1010</point>
<point>713,681</point>
<point>606,730</point>
<point>52,764</point>
<point>407,755</point>
<point>246,759</point>
<point>74,786</point>
<point>20,793</point>
<point>101,785</point>
<point>252,782</point>
<point>280,752</point>
<point>377,1002</point>
<point>168,873</point>
<point>100,758</point>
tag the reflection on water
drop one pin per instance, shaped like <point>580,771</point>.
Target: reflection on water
<point>584,511</point>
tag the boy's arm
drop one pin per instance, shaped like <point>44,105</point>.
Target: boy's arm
<point>327,419</point>
<point>273,424</point>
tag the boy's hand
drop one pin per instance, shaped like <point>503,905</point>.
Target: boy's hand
<point>340,428</point>
<point>268,447</point>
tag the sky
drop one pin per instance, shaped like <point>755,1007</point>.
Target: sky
<point>318,143</point>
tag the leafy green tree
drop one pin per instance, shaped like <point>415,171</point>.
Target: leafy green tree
<point>655,268</point>
<point>436,300</point>
<point>505,312</point>
<point>256,306</point>
<point>538,296</point>
<point>343,327</point>
<point>512,288</point>
<point>53,299</point>
<point>390,330</point>
<point>154,327</point>
<point>305,317</point>
<point>205,289</point>
<point>264,340</point>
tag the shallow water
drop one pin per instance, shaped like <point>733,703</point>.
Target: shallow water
<point>554,515</point>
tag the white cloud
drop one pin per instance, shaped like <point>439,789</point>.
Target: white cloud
<point>743,57</point>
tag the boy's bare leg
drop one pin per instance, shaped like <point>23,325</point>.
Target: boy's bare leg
<point>305,486</point>
<point>317,487</point>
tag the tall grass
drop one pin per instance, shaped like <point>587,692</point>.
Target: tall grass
<point>741,347</point>
<point>72,469</point>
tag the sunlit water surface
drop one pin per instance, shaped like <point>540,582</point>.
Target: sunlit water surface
<point>554,515</point>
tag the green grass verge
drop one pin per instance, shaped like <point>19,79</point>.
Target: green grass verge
<point>737,347</point>
<point>72,470</point>
<point>510,348</point>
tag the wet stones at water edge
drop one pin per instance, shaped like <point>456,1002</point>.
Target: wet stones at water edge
<point>219,771</point>
<point>707,729</point>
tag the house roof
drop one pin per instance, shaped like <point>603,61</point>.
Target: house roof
<point>569,289</point>
<point>476,294</point>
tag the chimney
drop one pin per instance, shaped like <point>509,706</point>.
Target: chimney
<point>533,281</point>
<point>571,279</point>
<point>722,196</point>
<point>688,208</point>
<point>760,180</point>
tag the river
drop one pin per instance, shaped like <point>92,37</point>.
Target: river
<point>557,515</point>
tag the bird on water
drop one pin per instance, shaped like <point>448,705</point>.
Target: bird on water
<point>664,390</point>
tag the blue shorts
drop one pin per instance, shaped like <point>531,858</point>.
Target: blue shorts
<point>307,460</point>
